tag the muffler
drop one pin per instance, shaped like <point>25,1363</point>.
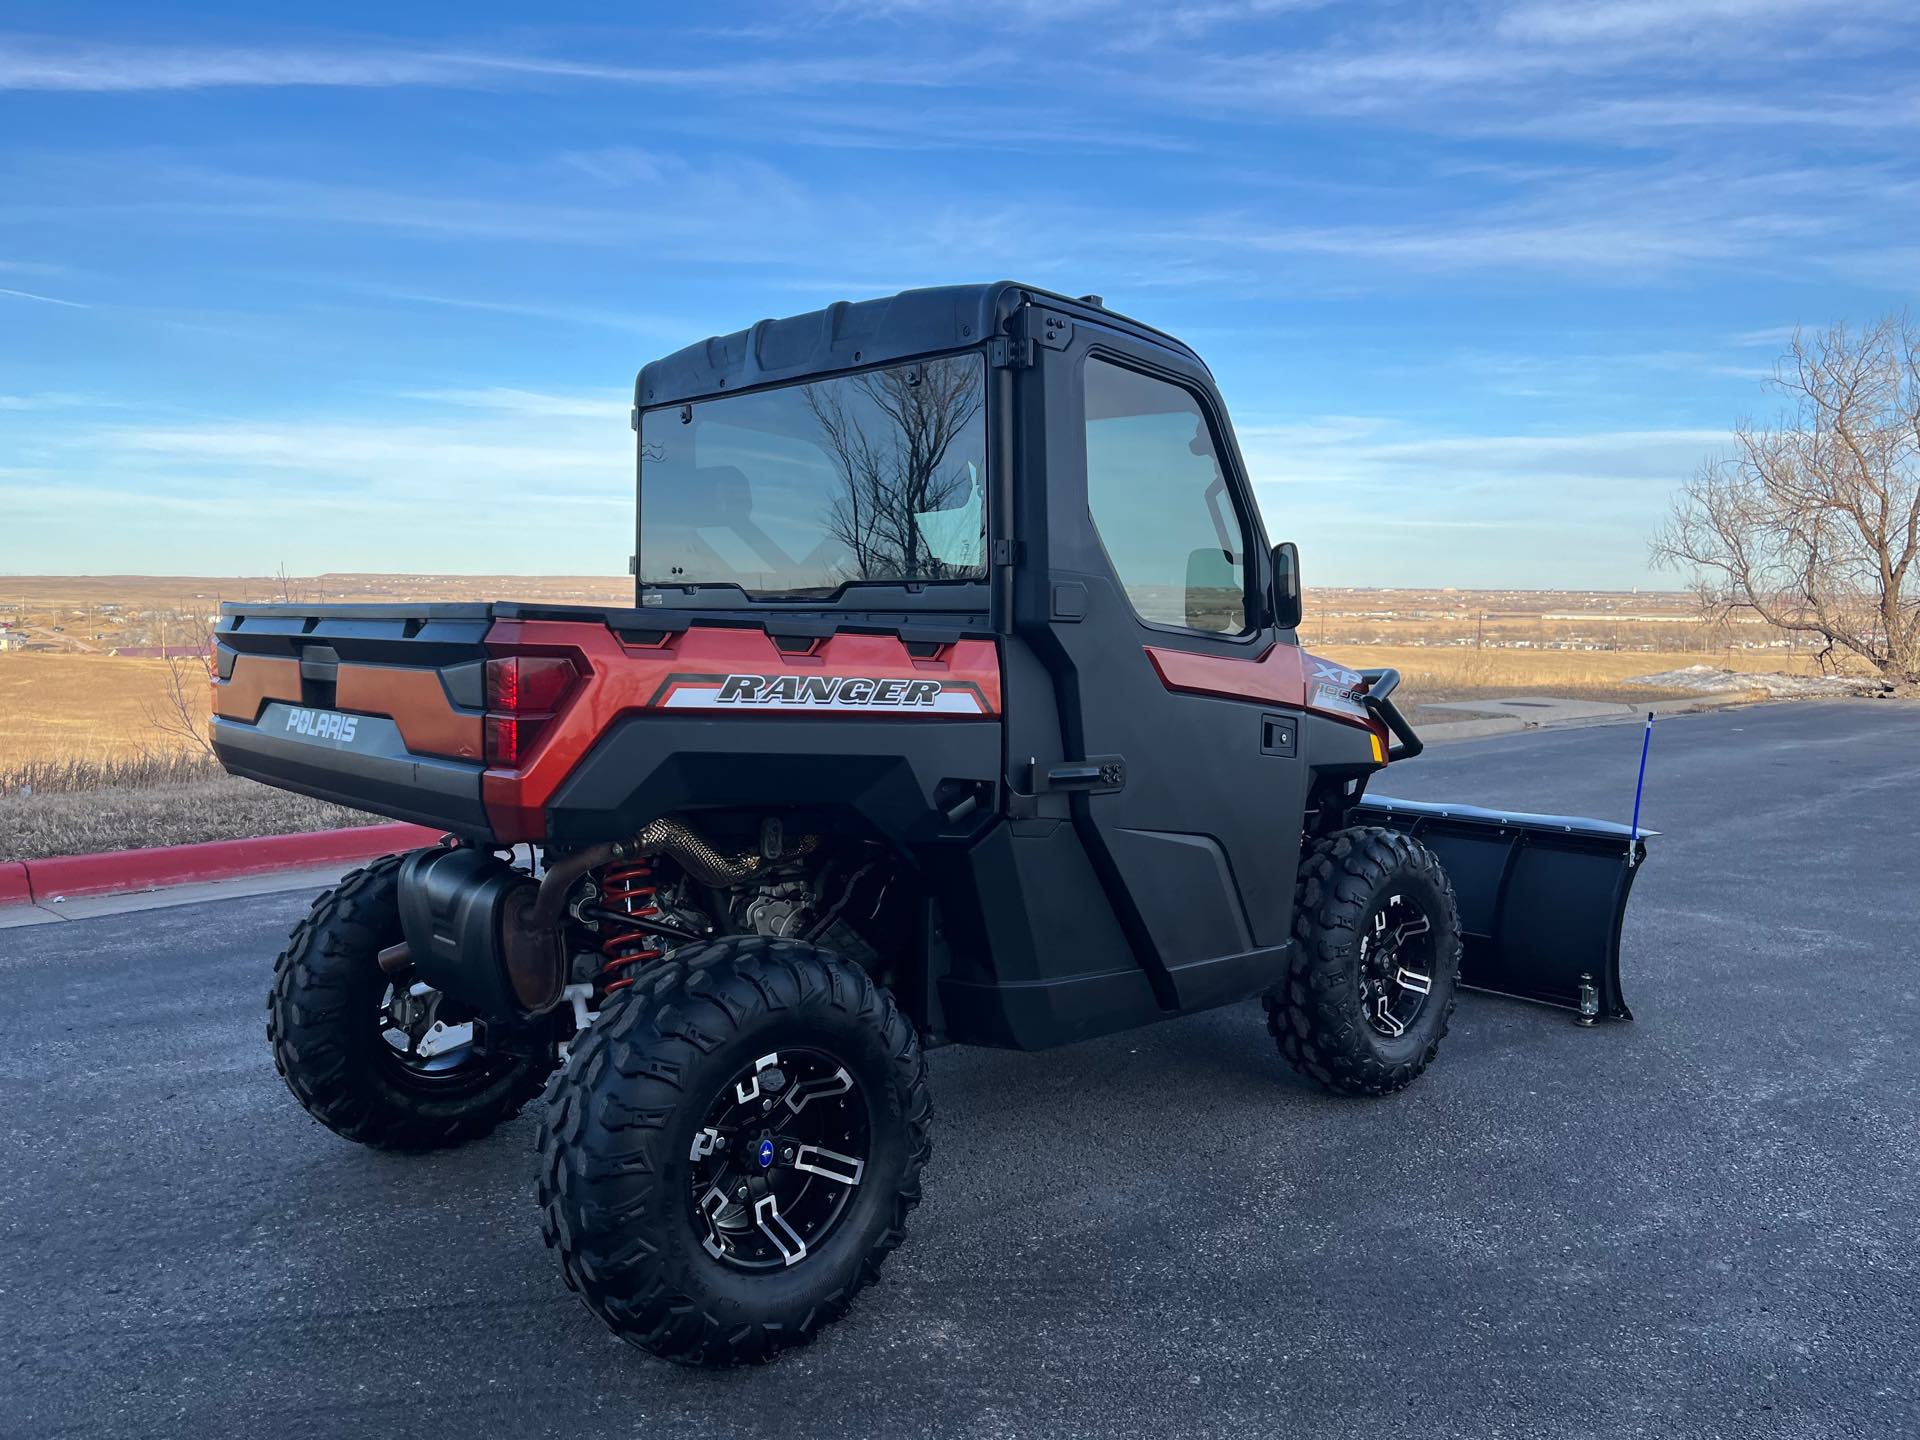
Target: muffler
<point>1541,897</point>
<point>468,918</point>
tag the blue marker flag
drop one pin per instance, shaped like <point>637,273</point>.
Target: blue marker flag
<point>1646,742</point>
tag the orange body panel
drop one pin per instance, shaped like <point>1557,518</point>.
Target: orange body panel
<point>417,703</point>
<point>629,679</point>
<point>1274,678</point>
<point>256,679</point>
<point>414,699</point>
<point>1277,677</point>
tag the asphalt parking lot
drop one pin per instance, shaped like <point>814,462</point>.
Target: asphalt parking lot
<point>1703,1223</point>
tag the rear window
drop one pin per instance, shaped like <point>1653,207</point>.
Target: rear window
<point>800,491</point>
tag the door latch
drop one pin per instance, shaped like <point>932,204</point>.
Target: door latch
<point>1095,775</point>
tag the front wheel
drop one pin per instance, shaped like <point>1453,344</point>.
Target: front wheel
<point>1376,963</point>
<point>732,1149</point>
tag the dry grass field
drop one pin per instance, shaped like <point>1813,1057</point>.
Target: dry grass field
<point>83,768</point>
<point>83,822</point>
<point>87,707</point>
<point>1431,674</point>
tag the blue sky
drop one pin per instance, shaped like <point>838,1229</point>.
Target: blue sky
<point>1481,282</point>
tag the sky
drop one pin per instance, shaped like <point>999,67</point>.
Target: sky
<point>364,287</point>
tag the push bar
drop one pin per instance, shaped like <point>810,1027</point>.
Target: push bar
<point>1379,702</point>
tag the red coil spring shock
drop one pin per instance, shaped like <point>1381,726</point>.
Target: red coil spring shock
<point>629,889</point>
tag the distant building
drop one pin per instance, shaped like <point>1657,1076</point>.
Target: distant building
<point>160,652</point>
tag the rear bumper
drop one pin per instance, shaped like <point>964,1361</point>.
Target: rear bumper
<point>374,772</point>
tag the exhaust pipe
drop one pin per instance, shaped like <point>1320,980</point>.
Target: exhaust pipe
<point>671,838</point>
<point>486,933</point>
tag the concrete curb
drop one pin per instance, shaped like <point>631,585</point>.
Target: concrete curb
<point>118,871</point>
<point>1712,700</point>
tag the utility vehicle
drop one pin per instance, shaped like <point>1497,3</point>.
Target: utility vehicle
<point>960,701</point>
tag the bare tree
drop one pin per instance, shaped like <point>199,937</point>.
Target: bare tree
<point>889,433</point>
<point>1813,524</point>
<point>185,704</point>
<point>289,593</point>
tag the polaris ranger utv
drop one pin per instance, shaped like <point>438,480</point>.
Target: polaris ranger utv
<point>960,701</point>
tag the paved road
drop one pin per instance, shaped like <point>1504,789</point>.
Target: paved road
<point>1704,1223</point>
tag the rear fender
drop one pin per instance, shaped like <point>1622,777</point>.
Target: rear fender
<point>1541,897</point>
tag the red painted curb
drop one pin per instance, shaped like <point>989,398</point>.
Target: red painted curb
<point>128,870</point>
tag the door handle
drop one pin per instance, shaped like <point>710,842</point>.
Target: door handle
<point>1095,775</point>
<point>1279,735</point>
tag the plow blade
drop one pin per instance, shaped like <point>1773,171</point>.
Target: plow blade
<point>1541,897</point>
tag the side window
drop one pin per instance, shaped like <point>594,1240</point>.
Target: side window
<point>1160,502</point>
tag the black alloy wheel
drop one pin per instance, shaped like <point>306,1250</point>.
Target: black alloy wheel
<point>1396,964</point>
<point>774,1167</point>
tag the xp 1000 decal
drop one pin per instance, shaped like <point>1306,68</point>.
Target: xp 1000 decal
<point>1338,689</point>
<point>842,693</point>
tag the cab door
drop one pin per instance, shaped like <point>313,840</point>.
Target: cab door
<point>1174,689</point>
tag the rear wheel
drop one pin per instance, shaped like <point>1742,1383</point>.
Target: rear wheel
<point>1376,963</point>
<point>385,1062</point>
<point>733,1148</point>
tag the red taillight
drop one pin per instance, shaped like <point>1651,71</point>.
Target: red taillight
<point>520,684</point>
<point>523,692</point>
<point>503,740</point>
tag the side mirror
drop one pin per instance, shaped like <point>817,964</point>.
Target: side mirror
<point>1286,585</point>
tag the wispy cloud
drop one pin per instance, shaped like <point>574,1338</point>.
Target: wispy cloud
<point>1581,497</point>
<point>1614,221</point>
<point>1628,223</point>
<point>37,63</point>
<point>43,299</point>
<point>1640,22</point>
<point>1381,452</point>
<point>49,400</point>
<point>1611,71</point>
<point>603,405</point>
<point>434,480</point>
<point>600,316</point>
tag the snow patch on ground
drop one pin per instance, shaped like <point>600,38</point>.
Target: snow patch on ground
<point>1705,679</point>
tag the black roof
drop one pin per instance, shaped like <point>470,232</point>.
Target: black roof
<point>851,334</point>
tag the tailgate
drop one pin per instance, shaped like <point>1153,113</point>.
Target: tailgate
<point>379,707</point>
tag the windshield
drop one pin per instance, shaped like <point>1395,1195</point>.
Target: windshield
<point>795,492</point>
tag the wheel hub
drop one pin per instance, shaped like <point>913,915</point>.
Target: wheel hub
<point>417,1037</point>
<point>1396,964</point>
<point>776,1164</point>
